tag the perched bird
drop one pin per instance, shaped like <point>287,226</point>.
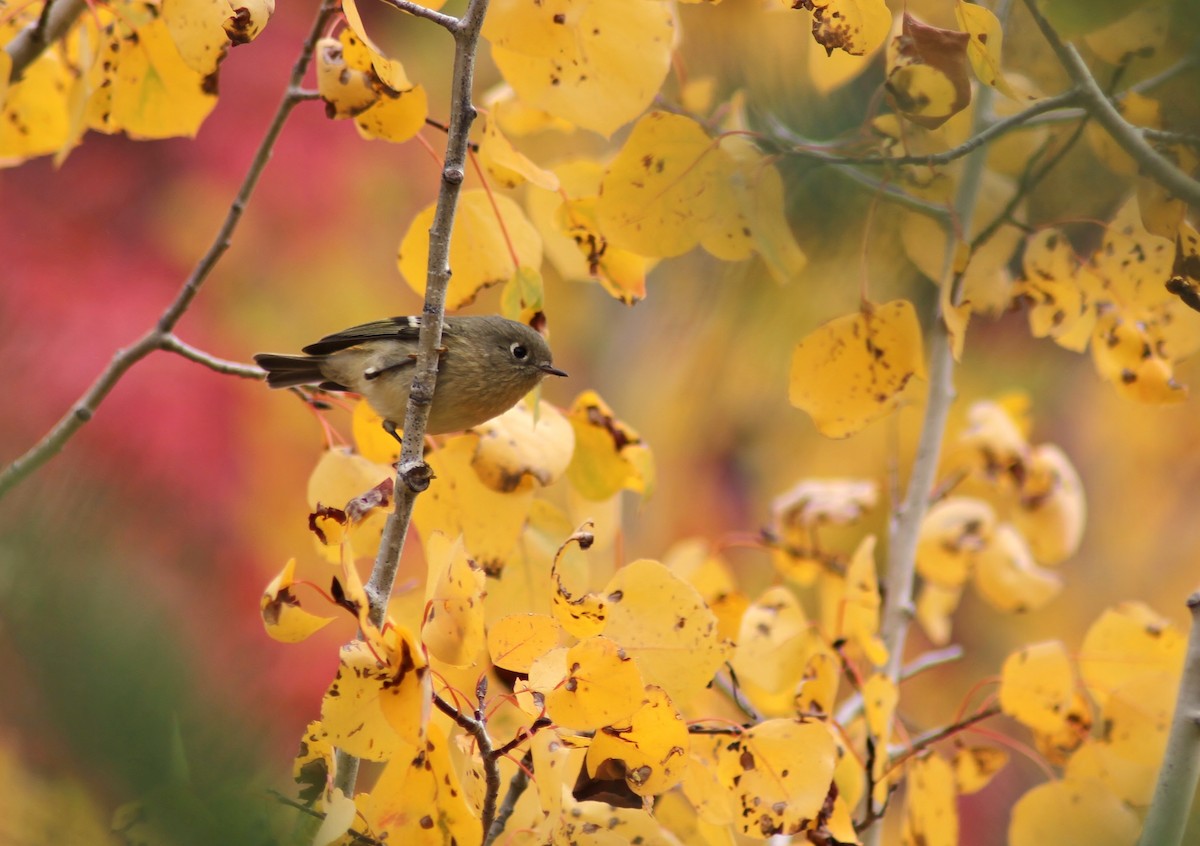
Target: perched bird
<point>486,365</point>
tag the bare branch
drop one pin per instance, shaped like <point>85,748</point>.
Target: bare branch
<point>56,18</point>
<point>1176,786</point>
<point>157,338</point>
<point>171,343</point>
<point>1128,137</point>
<point>448,22</point>
<point>516,786</point>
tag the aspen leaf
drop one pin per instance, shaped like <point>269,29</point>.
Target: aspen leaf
<point>346,91</point>
<point>581,616</point>
<point>661,621</point>
<point>1036,686</point>
<point>860,613</point>
<point>154,93</point>
<point>880,697</point>
<point>931,810</point>
<point>652,746</point>
<point>779,772</point>
<point>694,561</point>
<point>516,641</point>
<point>1136,109</point>
<point>1126,642</point>
<point>974,766</point>
<point>1126,355</point>
<point>1129,780</point>
<point>1007,576</point>
<point>518,118</point>
<point>460,503</point>
<point>338,478</point>
<point>1072,812</point>
<point>609,455</point>
<point>597,65</point>
<point>370,438</point>
<point>1052,510</point>
<point>830,71</point>
<point>249,19</point>
<point>851,371</point>
<point>1059,745</point>
<point>313,762</point>
<point>574,241</point>
<point>774,642</point>
<point>1079,17</point>
<point>370,709</point>
<point>395,116</point>
<point>506,165</point>
<point>952,534</point>
<point>703,789</point>
<point>763,207</point>
<point>481,249</point>
<point>935,605</point>
<point>1136,35</point>
<point>603,686</point>
<point>419,800</point>
<point>660,194</point>
<point>1162,213</point>
<point>856,27</point>
<point>1137,716</point>
<point>927,73</point>
<point>282,615</point>
<point>985,47</point>
<point>340,811</point>
<point>817,692</point>
<point>518,451</point>
<point>198,29</point>
<point>453,629</point>
<point>1058,306</point>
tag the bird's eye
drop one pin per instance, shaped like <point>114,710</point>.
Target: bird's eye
<point>519,352</point>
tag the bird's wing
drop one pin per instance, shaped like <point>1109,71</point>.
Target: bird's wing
<point>393,328</point>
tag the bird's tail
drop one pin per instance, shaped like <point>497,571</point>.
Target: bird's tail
<point>288,371</point>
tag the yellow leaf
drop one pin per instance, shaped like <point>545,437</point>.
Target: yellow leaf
<point>340,812</point>
<point>313,762</point>
<point>370,438</point>
<point>1072,812</point>
<point>817,692</point>
<point>652,746</point>
<point>282,615</point>
<point>851,371</point>
<point>931,810</point>
<point>779,772</point>
<point>880,697</point>
<point>661,621</point>
<point>248,21</point>
<point>662,193</point>
<point>155,94</point>
<point>927,73</point>
<point>761,199</point>
<point>453,629</point>
<point>458,502</point>
<point>1052,510</point>
<point>518,451</point>
<point>774,645</point>
<point>1133,782</point>
<point>952,534</point>
<point>856,27</point>
<point>418,799</point>
<point>395,116</point>
<point>1125,643</point>
<point>861,602</point>
<point>598,65</point>
<point>1136,35</point>
<point>603,686</point>
<point>985,48</point>
<point>1007,576</point>
<point>1126,355</point>
<point>34,119</point>
<point>198,29</point>
<point>1137,716</point>
<point>515,641</point>
<point>488,244</point>
<point>935,605</point>
<point>974,766</point>
<point>372,709</point>
<point>609,455</point>
<point>703,787</point>
<point>829,71</point>
<point>1136,109</point>
<point>1036,686</point>
<point>1058,306</point>
<point>338,478</point>
<point>506,165</point>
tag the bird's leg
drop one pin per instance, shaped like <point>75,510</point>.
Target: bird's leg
<point>390,428</point>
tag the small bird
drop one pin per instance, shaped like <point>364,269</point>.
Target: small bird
<point>486,365</point>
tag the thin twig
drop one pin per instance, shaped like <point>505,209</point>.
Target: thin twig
<point>86,406</point>
<point>56,18</point>
<point>1180,771</point>
<point>449,22</point>
<point>172,343</point>
<point>1127,136</point>
<point>358,836</point>
<point>516,786</point>
<point>923,741</point>
<point>984,135</point>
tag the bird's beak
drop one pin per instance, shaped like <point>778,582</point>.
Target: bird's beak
<point>551,369</point>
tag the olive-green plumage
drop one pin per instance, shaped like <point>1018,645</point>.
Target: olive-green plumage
<point>489,363</point>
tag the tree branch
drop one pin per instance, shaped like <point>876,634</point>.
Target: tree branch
<point>1176,786</point>
<point>172,343</point>
<point>1128,137</point>
<point>157,338</point>
<point>449,22</point>
<point>412,473</point>
<point>56,18</point>
<point>516,786</point>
